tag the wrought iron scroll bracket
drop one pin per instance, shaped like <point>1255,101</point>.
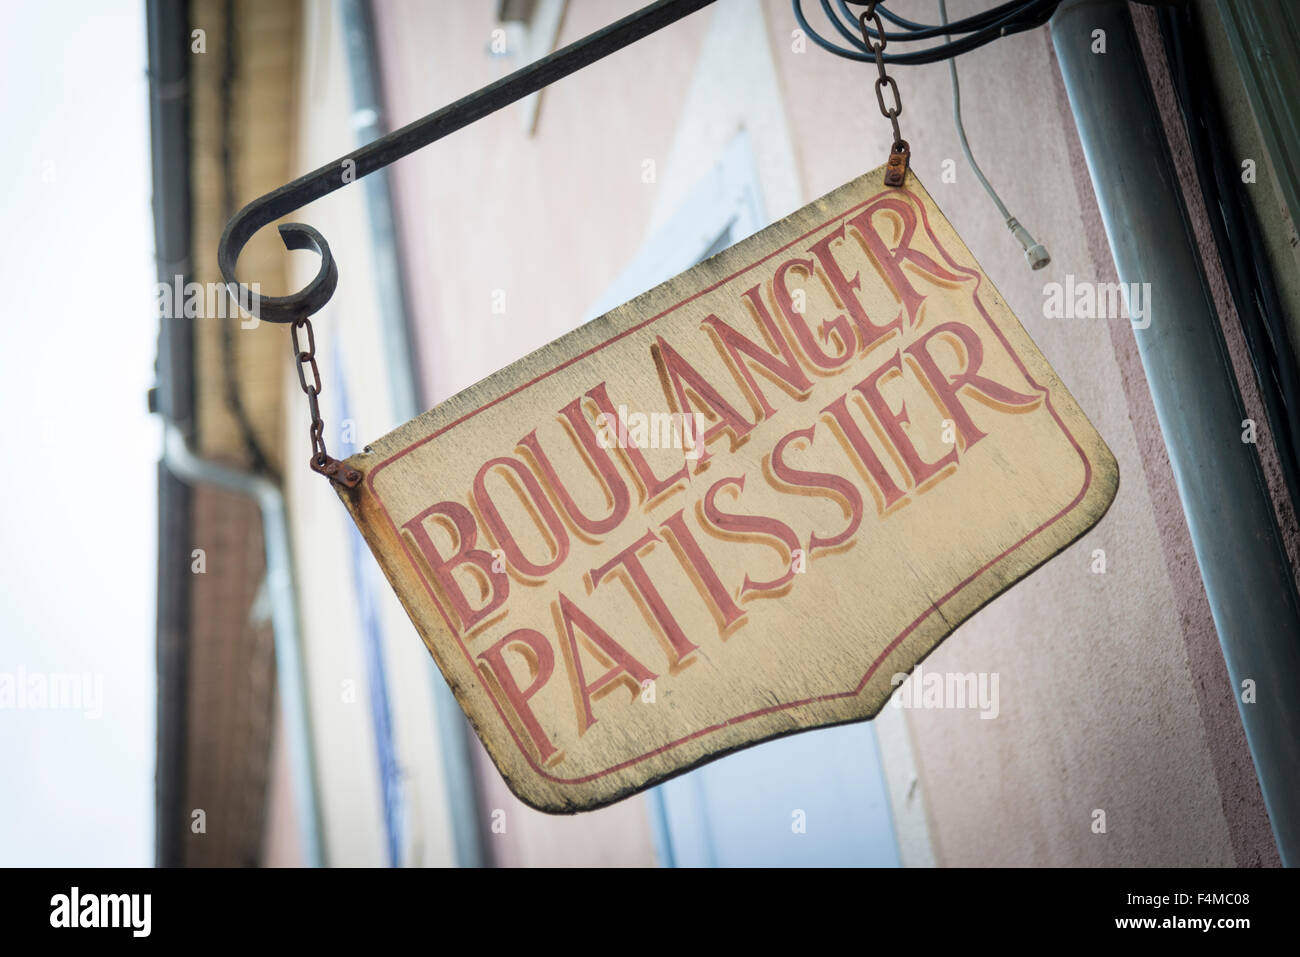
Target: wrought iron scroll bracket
<point>387,149</point>
<point>298,307</point>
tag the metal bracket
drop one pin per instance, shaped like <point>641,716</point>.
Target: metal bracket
<point>337,471</point>
<point>899,157</point>
<point>388,149</point>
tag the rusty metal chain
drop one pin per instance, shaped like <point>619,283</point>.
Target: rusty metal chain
<point>305,359</point>
<point>899,152</point>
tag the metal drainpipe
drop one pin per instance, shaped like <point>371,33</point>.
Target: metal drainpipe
<point>290,676</point>
<point>1229,513</point>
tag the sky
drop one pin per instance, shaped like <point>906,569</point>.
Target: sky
<point>77,346</point>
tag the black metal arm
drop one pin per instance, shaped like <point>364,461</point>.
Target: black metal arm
<point>387,149</point>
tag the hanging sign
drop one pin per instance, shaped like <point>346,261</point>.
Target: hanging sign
<point>735,507</point>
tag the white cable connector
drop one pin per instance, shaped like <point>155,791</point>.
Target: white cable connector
<point>1035,251</point>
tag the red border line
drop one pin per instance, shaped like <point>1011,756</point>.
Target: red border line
<point>889,649</point>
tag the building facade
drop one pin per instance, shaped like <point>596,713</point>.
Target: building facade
<point>1112,694</point>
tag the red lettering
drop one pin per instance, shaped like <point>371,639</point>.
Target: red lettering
<point>724,607</point>
<point>807,341</point>
<point>846,289</point>
<point>783,366</point>
<point>652,485</point>
<point>630,561</point>
<point>751,525</point>
<point>443,569</point>
<point>893,422</point>
<point>677,374</point>
<point>541,506</point>
<point>542,659</point>
<point>889,490</point>
<point>613,486</point>
<point>835,484</point>
<point>948,388</point>
<point>890,262</point>
<point>623,665</point>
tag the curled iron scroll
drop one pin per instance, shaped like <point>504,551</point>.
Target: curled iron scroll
<point>304,302</point>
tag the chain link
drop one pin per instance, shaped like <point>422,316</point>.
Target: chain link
<point>304,355</point>
<point>890,113</point>
<point>899,153</point>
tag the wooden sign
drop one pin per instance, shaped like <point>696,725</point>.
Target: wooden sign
<point>734,507</point>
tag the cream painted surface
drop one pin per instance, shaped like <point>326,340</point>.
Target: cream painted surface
<point>1098,707</point>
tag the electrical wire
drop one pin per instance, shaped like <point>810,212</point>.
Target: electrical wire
<point>972,32</point>
<point>1035,252</point>
<point>961,129</point>
<point>979,29</point>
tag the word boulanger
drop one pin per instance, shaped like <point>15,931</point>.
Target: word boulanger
<point>776,354</point>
